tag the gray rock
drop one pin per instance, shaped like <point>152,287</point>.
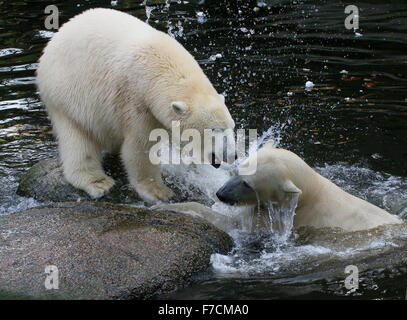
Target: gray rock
<point>246,219</point>
<point>45,182</point>
<point>103,251</point>
<point>194,209</point>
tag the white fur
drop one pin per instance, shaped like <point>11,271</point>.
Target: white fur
<point>107,79</point>
<point>321,203</point>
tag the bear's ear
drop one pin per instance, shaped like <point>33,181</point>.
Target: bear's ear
<point>290,187</point>
<point>179,107</point>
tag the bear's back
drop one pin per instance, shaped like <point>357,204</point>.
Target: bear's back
<point>106,40</point>
<point>103,30</point>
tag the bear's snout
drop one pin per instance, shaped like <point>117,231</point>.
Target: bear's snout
<point>220,196</point>
<point>230,192</point>
<point>224,198</point>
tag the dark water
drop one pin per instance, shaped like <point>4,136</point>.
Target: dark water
<point>352,125</point>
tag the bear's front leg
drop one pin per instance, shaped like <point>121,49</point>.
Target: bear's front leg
<point>81,158</point>
<point>144,176</point>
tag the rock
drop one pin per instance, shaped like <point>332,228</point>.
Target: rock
<point>45,182</point>
<point>194,209</point>
<point>103,251</point>
<point>247,219</point>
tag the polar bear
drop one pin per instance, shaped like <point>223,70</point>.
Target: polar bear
<point>281,174</point>
<point>107,80</point>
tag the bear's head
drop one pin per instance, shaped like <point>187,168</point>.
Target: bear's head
<point>276,178</point>
<point>207,126</point>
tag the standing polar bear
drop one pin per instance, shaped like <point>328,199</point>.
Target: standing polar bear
<point>281,174</point>
<point>107,80</point>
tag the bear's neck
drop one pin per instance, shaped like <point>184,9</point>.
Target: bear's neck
<point>319,207</point>
<point>310,184</point>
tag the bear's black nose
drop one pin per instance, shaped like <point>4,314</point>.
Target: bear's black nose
<point>225,198</point>
<point>220,196</point>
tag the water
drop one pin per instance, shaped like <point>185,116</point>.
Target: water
<point>351,126</point>
<point>282,218</point>
<point>308,261</point>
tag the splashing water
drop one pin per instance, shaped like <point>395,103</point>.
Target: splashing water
<point>282,218</point>
<point>148,12</point>
<point>268,244</point>
<point>272,134</point>
<point>201,17</point>
<point>271,220</point>
<point>10,202</point>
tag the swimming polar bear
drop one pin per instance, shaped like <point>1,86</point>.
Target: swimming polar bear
<point>281,174</point>
<point>107,80</point>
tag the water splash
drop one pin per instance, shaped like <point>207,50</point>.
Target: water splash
<point>149,10</point>
<point>379,188</point>
<point>201,17</point>
<point>204,177</point>
<point>280,249</point>
<point>258,213</point>
<point>9,201</point>
<point>176,30</point>
<point>282,218</point>
<point>271,135</point>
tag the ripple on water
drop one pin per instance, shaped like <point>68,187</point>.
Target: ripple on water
<point>9,201</point>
